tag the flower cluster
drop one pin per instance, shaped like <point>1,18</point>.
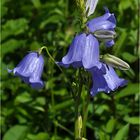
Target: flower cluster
<point>84,52</point>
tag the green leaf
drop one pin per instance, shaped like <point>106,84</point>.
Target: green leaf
<point>51,19</point>
<point>17,132</point>
<point>110,125</point>
<point>100,109</point>
<point>11,45</point>
<point>40,101</point>
<point>3,8</point>
<point>129,57</point>
<point>132,120</point>
<point>128,90</point>
<point>42,136</point>
<point>124,4</point>
<point>103,135</point>
<point>23,98</point>
<point>60,92</point>
<point>36,3</point>
<point>14,27</point>
<point>130,73</point>
<point>122,133</point>
<point>64,104</point>
<point>39,136</point>
<point>119,46</point>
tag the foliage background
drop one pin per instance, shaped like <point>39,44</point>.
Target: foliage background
<point>48,114</point>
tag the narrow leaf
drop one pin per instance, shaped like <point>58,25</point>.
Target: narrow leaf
<point>122,133</point>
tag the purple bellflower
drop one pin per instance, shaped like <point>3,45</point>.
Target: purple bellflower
<point>84,51</point>
<point>105,22</point>
<point>105,82</point>
<point>30,70</point>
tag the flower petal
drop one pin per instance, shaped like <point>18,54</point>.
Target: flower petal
<point>36,75</point>
<point>91,53</point>
<point>107,21</point>
<point>98,81</point>
<point>101,25</point>
<point>113,81</point>
<point>74,55</point>
<point>37,84</point>
<point>109,43</point>
<point>106,82</point>
<point>26,66</point>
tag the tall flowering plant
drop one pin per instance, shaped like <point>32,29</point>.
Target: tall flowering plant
<point>84,55</point>
<point>84,52</point>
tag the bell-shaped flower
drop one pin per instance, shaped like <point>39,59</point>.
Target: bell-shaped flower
<point>105,22</point>
<point>84,51</point>
<point>105,82</point>
<point>30,70</point>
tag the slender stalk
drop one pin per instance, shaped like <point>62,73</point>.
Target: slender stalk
<point>63,127</point>
<point>53,60</point>
<point>85,115</point>
<point>85,107</point>
<point>77,111</point>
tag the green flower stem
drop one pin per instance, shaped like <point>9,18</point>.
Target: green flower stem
<point>77,111</point>
<point>86,102</point>
<point>40,51</point>
<point>82,11</point>
<point>85,114</point>
<point>44,47</point>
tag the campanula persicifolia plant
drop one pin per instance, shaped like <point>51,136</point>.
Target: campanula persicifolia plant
<point>83,55</point>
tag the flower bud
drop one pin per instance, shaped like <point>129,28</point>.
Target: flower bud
<point>80,122</point>
<point>114,62</point>
<point>105,35</point>
<point>90,6</point>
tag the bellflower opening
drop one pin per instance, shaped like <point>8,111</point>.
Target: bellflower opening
<point>105,22</point>
<point>105,82</point>
<point>84,51</point>
<point>30,70</point>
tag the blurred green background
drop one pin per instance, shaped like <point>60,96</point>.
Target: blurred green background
<point>48,114</point>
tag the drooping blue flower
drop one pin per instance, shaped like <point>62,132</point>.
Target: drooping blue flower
<point>30,70</point>
<point>105,22</point>
<point>105,82</point>
<point>84,51</point>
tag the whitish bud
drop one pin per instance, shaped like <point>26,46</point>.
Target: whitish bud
<point>114,62</point>
<point>105,35</point>
<point>90,6</point>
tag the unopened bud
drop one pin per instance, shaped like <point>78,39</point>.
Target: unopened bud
<point>78,127</point>
<point>105,35</point>
<point>90,6</point>
<point>115,62</point>
<point>80,122</point>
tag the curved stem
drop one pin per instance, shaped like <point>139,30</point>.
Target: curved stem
<point>53,60</point>
<point>44,47</point>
